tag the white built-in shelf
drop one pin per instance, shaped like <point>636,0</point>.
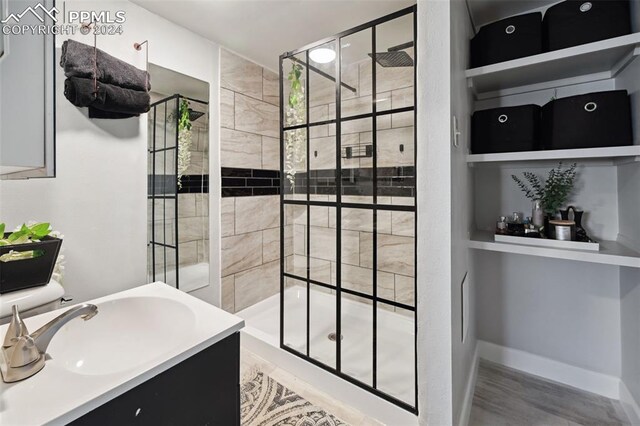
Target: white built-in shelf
<point>616,153</point>
<point>600,60</point>
<point>611,252</point>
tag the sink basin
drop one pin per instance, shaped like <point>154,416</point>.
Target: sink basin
<point>125,334</point>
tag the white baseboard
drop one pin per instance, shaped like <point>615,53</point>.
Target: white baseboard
<point>591,381</point>
<point>467,403</point>
<point>629,404</point>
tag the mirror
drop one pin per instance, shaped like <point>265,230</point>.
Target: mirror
<point>27,133</point>
<point>4,47</point>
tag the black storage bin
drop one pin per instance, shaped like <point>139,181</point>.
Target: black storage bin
<point>572,22</point>
<point>507,39</point>
<point>594,120</point>
<point>27,273</point>
<point>508,129</point>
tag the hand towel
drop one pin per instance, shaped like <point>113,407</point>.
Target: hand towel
<point>80,92</point>
<point>78,61</point>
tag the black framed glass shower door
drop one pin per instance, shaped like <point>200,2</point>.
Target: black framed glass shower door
<point>348,203</point>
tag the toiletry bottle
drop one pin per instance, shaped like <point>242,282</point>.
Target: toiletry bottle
<point>501,226</point>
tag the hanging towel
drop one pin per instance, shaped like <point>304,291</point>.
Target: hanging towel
<point>80,92</point>
<point>78,61</point>
<point>98,113</point>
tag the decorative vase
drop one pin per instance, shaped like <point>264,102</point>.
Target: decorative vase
<point>581,234</point>
<point>537,214</point>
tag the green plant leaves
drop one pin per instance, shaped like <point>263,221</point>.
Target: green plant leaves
<point>554,192</point>
<point>25,234</point>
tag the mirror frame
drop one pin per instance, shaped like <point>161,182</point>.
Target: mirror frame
<point>4,41</point>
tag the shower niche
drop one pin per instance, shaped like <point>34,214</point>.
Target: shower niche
<point>348,202</point>
<point>178,181</point>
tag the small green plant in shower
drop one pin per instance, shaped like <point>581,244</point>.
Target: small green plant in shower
<point>184,140</point>
<point>295,140</point>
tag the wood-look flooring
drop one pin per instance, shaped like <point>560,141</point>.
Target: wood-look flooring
<point>504,396</point>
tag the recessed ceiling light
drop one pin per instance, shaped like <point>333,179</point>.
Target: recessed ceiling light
<point>322,55</point>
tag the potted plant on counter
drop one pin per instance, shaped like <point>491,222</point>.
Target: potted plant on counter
<point>28,256</point>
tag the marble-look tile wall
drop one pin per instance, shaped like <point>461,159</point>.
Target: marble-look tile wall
<point>249,137</point>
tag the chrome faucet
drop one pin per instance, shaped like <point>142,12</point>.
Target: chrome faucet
<point>23,354</point>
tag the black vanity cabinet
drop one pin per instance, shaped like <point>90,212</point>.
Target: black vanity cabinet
<point>202,390</point>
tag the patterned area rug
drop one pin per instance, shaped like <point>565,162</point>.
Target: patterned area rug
<point>265,402</point>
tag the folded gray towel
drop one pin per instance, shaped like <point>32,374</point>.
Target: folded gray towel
<point>78,61</point>
<point>80,92</point>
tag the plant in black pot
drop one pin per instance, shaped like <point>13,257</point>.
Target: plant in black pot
<point>28,256</point>
<point>550,194</point>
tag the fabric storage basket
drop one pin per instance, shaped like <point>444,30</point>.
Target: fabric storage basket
<point>507,39</point>
<point>572,22</point>
<point>599,119</point>
<point>31,272</point>
<point>508,129</point>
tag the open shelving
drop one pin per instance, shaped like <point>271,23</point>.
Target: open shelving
<point>616,153</point>
<point>600,60</point>
<point>611,252</point>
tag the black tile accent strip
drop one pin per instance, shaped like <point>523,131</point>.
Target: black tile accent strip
<point>392,181</point>
<point>238,182</point>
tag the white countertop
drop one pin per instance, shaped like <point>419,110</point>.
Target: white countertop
<point>30,298</point>
<point>57,395</point>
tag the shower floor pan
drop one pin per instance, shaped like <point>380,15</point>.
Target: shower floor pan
<point>395,348</point>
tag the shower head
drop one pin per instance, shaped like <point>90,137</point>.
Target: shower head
<point>394,56</point>
<point>194,115</point>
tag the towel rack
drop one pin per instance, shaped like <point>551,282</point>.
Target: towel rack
<point>138,47</point>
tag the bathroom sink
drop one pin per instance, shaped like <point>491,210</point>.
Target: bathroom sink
<point>136,335</point>
<point>125,334</point>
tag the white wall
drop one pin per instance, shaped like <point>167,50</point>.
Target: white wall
<point>98,199</point>
<point>630,331</point>
<point>463,372</point>
<point>434,213</point>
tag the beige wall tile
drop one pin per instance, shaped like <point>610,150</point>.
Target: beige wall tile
<point>227,107</point>
<point>403,119</point>
<point>255,116</point>
<point>296,265</point>
<point>203,251</point>
<point>318,113</point>
<point>270,87</point>
<point>199,164</point>
<point>192,228</point>
<point>323,153</point>
<point>228,293</point>
<point>202,204</point>
<point>403,223</point>
<point>389,154</point>
<point>186,205</point>
<point>228,214</point>
<point>322,91</point>
<point>257,213</point>
<point>402,98</point>
<point>270,153</point>
<point>405,290</point>
<point>256,284</point>
<point>396,254</point>
<point>241,252</point>
<point>240,149</point>
<point>188,253</point>
<point>319,270</point>
<point>366,249</point>
<point>270,244</point>
<point>322,243</point>
<point>240,75</point>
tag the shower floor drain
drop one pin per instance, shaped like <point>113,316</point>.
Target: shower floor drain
<point>332,337</point>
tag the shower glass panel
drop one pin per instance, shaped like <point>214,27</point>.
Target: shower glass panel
<point>178,216</point>
<point>348,206</point>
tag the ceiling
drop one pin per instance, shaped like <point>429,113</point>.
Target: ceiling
<point>263,30</point>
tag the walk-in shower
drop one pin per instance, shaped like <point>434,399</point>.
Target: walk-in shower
<point>348,257</point>
<point>178,181</point>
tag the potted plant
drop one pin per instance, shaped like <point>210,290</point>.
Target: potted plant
<point>28,256</point>
<point>551,193</point>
